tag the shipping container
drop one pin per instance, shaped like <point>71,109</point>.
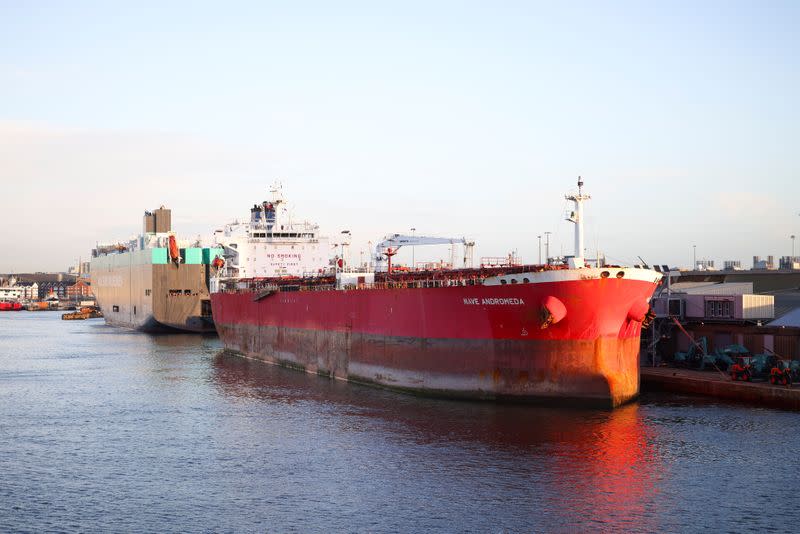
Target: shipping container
<point>757,307</point>
<point>731,308</point>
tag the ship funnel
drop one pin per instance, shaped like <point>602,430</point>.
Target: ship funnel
<point>576,217</point>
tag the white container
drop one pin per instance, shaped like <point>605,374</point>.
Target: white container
<point>730,308</point>
<point>756,307</point>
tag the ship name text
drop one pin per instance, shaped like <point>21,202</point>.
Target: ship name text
<point>491,301</point>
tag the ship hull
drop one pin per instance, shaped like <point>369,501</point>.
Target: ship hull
<point>133,292</point>
<point>483,342</point>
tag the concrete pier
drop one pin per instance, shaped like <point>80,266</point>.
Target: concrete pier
<point>717,385</point>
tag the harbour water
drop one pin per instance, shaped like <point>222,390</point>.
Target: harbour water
<point>103,429</point>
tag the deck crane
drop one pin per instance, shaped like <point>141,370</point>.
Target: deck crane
<point>393,242</point>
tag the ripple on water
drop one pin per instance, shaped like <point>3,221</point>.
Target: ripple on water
<point>103,429</point>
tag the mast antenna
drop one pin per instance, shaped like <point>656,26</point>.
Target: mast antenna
<point>576,217</point>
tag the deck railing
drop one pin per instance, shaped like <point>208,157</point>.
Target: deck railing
<point>392,284</point>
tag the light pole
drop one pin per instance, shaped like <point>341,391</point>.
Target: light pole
<point>413,258</point>
<point>792,236</point>
<point>547,247</point>
<point>540,249</point>
<point>694,257</point>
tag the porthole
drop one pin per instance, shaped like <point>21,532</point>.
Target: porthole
<point>513,280</point>
<point>620,274</point>
<point>502,281</point>
<point>525,280</point>
<point>605,274</point>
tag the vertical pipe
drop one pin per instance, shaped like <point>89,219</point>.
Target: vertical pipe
<point>547,247</point>
<point>579,227</point>
<point>540,249</point>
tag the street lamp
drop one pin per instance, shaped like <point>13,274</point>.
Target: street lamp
<point>792,236</point>
<point>694,257</point>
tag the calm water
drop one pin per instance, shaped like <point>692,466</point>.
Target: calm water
<point>102,429</point>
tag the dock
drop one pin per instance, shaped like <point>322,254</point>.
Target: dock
<point>716,385</point>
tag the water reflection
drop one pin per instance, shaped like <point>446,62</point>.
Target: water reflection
<point>600,465</point>
<point>104,419</point>
<point>613,470</point>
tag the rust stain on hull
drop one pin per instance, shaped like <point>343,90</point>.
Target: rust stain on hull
<point>603,371</point>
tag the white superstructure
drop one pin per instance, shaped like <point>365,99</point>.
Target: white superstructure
<point>271,244</point>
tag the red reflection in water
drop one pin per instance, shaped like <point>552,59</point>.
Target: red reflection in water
<point>598,467</point>
<point>610,475</point>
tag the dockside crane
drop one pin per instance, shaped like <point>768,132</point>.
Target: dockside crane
<point>392,243</point>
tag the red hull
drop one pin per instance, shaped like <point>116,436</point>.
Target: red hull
<point>10,306</point>
<point>480,341</point>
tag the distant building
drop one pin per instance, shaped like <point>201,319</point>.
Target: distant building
<point>733,265</point>
<point>704,265</point>
<point>758,263</point>
<point>79,290</point>
<point>58,288</point>
<point>789,262</point>
<point>30,290</point>
<point>81,269</point>
<point>16,290</point>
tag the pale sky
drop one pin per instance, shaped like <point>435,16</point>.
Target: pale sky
<point>455,118</point>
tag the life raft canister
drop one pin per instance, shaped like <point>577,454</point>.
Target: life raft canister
<point>174,253</point>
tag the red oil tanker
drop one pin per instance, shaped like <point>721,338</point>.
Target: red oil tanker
<point>567,332</point>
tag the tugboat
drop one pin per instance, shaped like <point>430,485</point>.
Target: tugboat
<point>10,305</point>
